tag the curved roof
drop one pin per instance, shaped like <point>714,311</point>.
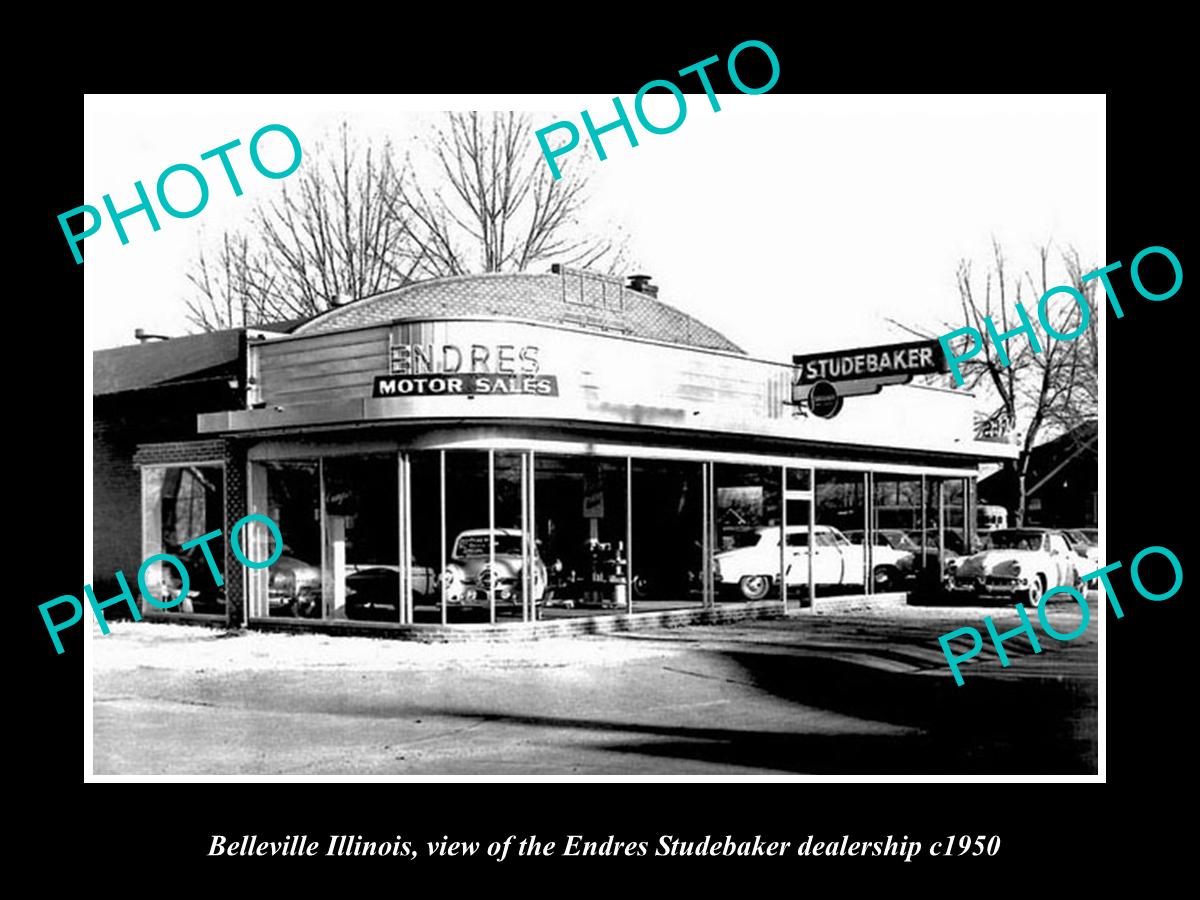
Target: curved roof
<point>568,297</point>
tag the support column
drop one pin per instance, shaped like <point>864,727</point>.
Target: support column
<point>783,523</point>
<point>442,523</point>
<point>491,483</point>
<point>629,534</point>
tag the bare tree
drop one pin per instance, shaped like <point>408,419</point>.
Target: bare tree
<point>333,234</point>
<point>495,207</point>
<point>1053,390</point>
<point>355,223</point>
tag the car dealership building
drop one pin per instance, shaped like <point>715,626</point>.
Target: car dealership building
<point>514,448</point>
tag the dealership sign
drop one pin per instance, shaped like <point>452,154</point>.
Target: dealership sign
<point>471,384</point>
<point>464,370</point>
<point>821,380</point>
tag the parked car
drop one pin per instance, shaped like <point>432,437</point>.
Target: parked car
<point>293,586</point>
<point>989,517</point>
<point>1085,542</point>
<point>1022,563</point>
<point>754,568</point>
<point>373,591</point>
<point>470,578</point>
<point>953,550</point>
<point>891,547</point>
<point>671,572</point>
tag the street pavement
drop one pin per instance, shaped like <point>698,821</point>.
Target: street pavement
<point>847,694</point>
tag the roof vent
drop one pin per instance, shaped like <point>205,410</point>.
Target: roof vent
<point>641,284</point>
<point>142,336</point>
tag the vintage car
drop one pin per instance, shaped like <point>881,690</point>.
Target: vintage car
<point>373,591</point>
<point>1022,563</point>
<point>754,567</point>
<point>470,577</point>
<point>293,587</point>
<point>1085,542</point>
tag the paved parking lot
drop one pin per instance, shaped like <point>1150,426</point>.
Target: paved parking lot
<point>868,692</point>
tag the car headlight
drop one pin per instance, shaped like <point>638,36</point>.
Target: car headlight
<point>283,582</point>
<point>1015,569</point>
<point>451,575</point>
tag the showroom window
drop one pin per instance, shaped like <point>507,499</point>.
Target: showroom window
<point>668,534</point>
<point>289,492</point>
<point>581,534</point>
<point>840,566</point>
<point>179,504</point>
<point>748,510</point>
<point>896,559</point>
<point>362,538</point>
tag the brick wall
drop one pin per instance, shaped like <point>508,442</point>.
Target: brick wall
<point>235,508</point>
<point>116,513</point>
<point>166,453</point>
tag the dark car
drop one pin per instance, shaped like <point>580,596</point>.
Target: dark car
<point>203,594</point>
<point>373,592</point>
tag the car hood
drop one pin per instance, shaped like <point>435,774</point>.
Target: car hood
<point>301,570</point>
<point>506,566</point>
<point>997,561</point>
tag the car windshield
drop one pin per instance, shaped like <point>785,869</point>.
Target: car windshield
<point>954,541</point>
<point>889,537</point>
<point>475,546</point>
<point>1013,540</point>
<point>1077,536</point>
<point>823,539</point>
<point>897,540</point>
<point>743,538</point>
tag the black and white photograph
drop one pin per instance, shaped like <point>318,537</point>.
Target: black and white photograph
<point>514,436</point>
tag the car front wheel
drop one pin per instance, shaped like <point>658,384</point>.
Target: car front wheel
<point>306,607</point>
<point>1036,591</point>
<point>886,578</point>
<point>755,587</point>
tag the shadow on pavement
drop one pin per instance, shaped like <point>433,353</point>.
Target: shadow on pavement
<point>988,726</point>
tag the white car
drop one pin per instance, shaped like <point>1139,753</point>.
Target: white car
<point>1022,563</point>
<point>754,567</point>
<point>470,579</point>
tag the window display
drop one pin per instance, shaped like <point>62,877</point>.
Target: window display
<point>747,509</point>
<point>362,538</point>
<point>897,521</point>
<point>290,493</point>
<point>581,533</point>
<point>181,503</point>
<point>839,566</point>
<point>668,534</point>
<point>509,536</point>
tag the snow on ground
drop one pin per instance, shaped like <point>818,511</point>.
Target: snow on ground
<point>158,645</point>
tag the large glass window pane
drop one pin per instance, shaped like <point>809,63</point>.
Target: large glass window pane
<point>467,535</point>
<point>897,517</point>
<point>290,493</point>
<point>581,534</point>
<point>182,503</point>
<point>505,573</point>
<point>426,530</point>
<point>747,508</point>
<point>667,534</point>
<point>362,537</point>
<point>839,566</point>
